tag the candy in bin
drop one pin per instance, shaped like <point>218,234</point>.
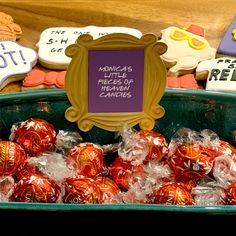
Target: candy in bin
<point>35,136</point>
<point>65,140</point>
<point>172,193</point>
<point>158,146</point>
<point>12,157</point>
<point>190,155</point>
<point>208,193</point>
<point>6,187</point>
<point>110,191</point>
<point>86,158</point>
<point>123,171</point>
<point>142,186</point>
<point>51,165</point>
<point>80,189</point>
<point>35,188</point>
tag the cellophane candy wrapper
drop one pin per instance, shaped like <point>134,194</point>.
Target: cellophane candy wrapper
<point>224,170</point>
<point>132,147</point>
<point>6,187</point>
<point>65,140</point>
<point>34,135</point>
<point>52,165</point>
<point>206,138</point>
<point>208,193</point>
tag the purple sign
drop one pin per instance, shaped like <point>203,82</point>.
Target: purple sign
<point>115,81</point>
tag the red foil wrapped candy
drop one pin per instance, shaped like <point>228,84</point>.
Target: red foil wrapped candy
<point>157,144</point>
<point>81,190</point>
<point>191,161</point>
<point>87,158</point>
<point>173,194</point>
<point>35,136</point>
<point>223,148</point>
<point>12,156</point>
<point>231,194</point>
<point>123,171</point>
<point>109,189</point>
<point>36,188</point>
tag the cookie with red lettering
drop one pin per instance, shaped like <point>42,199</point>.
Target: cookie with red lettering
<point>227,45</point>
<point>39,79</point>
<point>220,73</point>
<point>15,62</point>
<point>186,48</point>
<point>8,29</point>
<point>53,42</point>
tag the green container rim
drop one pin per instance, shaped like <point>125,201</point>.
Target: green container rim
<point>60,94</point>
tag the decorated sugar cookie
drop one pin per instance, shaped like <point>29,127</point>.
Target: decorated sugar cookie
<point>186,48</point>
<point>185,81</point>
<point>8,29</point>
<point>54,41</point>
<point>227,45</point>
<point>38,79</point>
<point>15,62</point>
<point>221,73</point>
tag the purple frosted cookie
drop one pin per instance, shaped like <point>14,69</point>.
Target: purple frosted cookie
<point>228,43</point>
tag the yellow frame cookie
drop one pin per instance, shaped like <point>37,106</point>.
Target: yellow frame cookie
<point>76,82</point>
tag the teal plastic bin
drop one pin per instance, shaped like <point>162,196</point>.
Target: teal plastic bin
<point>194,109</point>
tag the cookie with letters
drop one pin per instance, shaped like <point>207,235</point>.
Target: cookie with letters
<point>15,62</point>
<point>186,48</point>
<point>53,42</point>
<point>220,72</point>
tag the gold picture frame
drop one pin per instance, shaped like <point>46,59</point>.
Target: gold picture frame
<point>78,76</point>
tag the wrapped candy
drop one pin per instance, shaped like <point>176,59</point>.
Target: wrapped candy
<point>208,195</point>
<point>224,170</point>
<point>12,156</point>
<point>190,155</point>
<point>86,158</point>
<point>158,146</point>
<point>231,194</point>
<point>35,188</point>
<point>133,147</point>
<point>142,186</point>
<point>52,165</point>
<point>123,171</point>
<point>6,187</point>
<point>174,194</point>
<point>110,190</point>
<point>34,135</point>
<point>191,161</point>
<point>26,170</point>
<point>223,148</point>
<point>81,190</point>
<point>65,140</point>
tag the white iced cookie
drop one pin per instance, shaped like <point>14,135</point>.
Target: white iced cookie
<point>15,62</point>
<point>186,48</point>
<point>221,73</point>
<point>53,42</point>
